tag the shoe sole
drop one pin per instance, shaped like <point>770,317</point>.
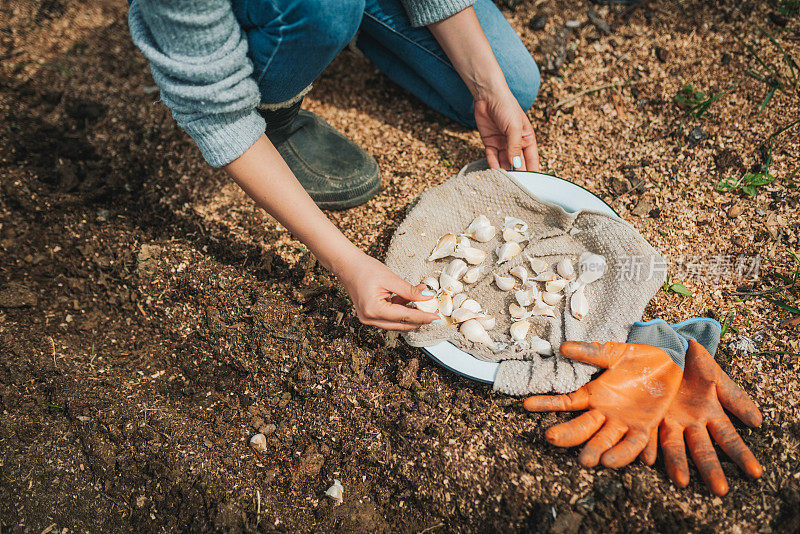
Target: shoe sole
<point>338,205</point>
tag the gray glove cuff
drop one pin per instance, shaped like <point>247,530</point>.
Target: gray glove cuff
<point>703,330</point>
<point>659,333</point>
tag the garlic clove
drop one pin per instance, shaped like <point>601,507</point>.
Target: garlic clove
<point>462,314</point>
<point>474,256</point>
<point>336,492</point>
<point>517,224</point>
<point>472,275</point>
<point>458,300</point>
<point>445,304</point>
<point>520,329</point>
<point>430,306</point>
<point>445,247</point>
<point>552,298</point>
<point>578,304</point>
<point>471,304</point>
<point>566,269</point>
<point>432,283</point>
<point>475,332</point>
<point>456,268</point>
<point>592,267</point>
<point>542,309</point>
<point>512,236</point>
<point>259,443</point>
<point>505,283</point>
<point>554,286</point>
<point>541,346</point>
<point>526,296</point>
<point>481,229</point>
<point>520,272</point>
<point>545,276</point>
<point>487,321</point>
<point>450,284</point>
<point>506,251</point>
<point>516,311</point>
<point>538,265</point>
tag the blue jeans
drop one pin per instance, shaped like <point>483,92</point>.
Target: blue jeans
<point>292,41</point>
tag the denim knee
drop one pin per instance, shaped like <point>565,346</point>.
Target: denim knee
<point>333,23</point>
<point>524,81</point>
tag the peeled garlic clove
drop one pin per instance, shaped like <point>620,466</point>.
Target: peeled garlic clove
<point>574,285</point>
<point>516,311</point>
<point>463,314</point>
<point>474,256</point>
<point>545,276</point>
<point>511,235</point>
<point>538,265</point>
<point>488,322</point>
<point>591,267</point>
<point>475,332</point>
<point>450,284</point>
<point>259,443</point>
<point>336,492</point>
<point>471,304</point>
<point>481,229</point>
<point>517,224</point>
<point>430,306</point>
<point>554,286</point>
<point>505,283</point>
<point>578,304</point>
<point>445,247</point>
<point>506,251</point>
<point>458,300</point>
<point>566,269</point>
<point>472,275</point>
<point>520,329</point>
<point>446,304</point>
<point>432,283</point>
<point>552,298</point>
<point>542,309</point>
<point>456,268</point>
<point>526,296</point>
<point>520,272</point>
<point>541,346</point>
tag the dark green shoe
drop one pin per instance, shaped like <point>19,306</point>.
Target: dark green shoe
<point>336,173</point>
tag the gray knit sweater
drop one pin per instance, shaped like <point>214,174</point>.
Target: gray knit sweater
<point>198,57</point>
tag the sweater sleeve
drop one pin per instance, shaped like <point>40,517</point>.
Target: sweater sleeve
<point>198,58</point>
<point>424,12</point>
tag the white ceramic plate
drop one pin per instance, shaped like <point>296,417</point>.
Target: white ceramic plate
<point>569,196</point>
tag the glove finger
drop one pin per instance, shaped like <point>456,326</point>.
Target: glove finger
<point>674,449</point>
<point>625,451</point>
<point>731,442</point>
<point>705,459</point>
<point>648,455</point>
<point>606,437</point>
<point>575,431</point>
<point>737,401</point>
<point>577,400</point>
<point>592,353</point>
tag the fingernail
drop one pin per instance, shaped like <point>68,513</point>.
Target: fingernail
<point>428,292</point>
<point>517,162</point>
<point>438,321</point>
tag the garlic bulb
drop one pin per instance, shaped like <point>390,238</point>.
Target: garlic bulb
<point>481,229</point>
<point>505,283</point>
<point>565,269</point>
<point>506,251</point>
<point>472,275</point>
<point>592,267</point>
<point>445,247</point>
<point>578,304</point>
<point>520,329</point>
<point>456,268</point>
<point>475,332</point>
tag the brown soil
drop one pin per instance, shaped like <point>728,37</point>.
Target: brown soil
<point>152,320</point>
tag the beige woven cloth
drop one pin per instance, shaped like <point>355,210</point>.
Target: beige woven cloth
<point>616,301</point>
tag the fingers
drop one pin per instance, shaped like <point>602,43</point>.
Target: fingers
<point>396,313</point>
<point>650,451</point>
<point>729,441</point>
<point>492,157</point>
<point>625,451</point>
<point>737,401</point>
<point>577,400</point>
<point>606,437</point>
<point>592,353</point>
<point>575,431</point>
<point>387,325</point>
<point>403,289</point>
<point>530,152</point>
<point>705,459</point>
<point>514,148</point>
<point>674,450</point>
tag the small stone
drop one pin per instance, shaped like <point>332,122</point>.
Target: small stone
<point>661,54</point>
<point>778,20</point>
<point>644,207</point>
<point>573,24</point>
<point>102,215</point>
<point>726,58</point>
<point>538,23</point>
<point>408,374</point>
<point>743,344</point>
<point>735,210</point>
<point>257,422</point>
<point>696,135</point>
<point>598,21</point>
<point>268,429</point>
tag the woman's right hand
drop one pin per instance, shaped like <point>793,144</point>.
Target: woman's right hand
<point>380,296</point>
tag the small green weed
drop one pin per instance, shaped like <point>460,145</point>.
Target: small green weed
<point>675,287</point>
<point>695,103</point>
<point>775,77</point>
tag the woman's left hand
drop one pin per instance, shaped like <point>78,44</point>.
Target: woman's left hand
<point>507,133</point>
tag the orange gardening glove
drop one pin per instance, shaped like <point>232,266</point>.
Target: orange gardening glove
<point>697,410</point>
<point>628,401</point>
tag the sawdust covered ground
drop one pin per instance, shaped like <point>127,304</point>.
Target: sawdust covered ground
<point>151,320</point>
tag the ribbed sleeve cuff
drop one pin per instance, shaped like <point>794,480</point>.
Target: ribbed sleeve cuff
<point>223,138</point>
<point>424,12</point>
